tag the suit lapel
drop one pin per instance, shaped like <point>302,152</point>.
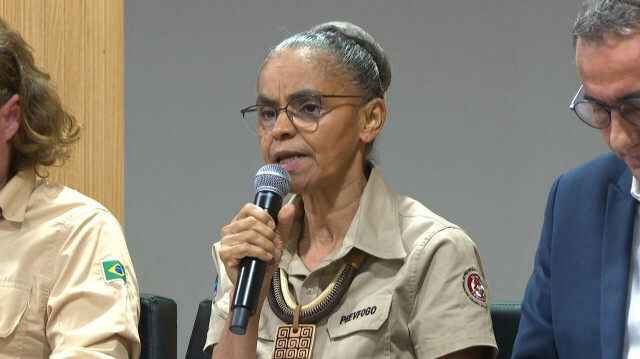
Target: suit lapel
<point>616,252</point>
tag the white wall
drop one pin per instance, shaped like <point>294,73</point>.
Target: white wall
<point>478,124</point>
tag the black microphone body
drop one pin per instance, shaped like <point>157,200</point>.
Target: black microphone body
<point>251,270</point>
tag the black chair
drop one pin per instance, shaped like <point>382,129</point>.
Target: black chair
<point>506,319</point>
<point>199,332</point>
<point>157,327</point>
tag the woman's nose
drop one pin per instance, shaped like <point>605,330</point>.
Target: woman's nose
<point>283,127</point>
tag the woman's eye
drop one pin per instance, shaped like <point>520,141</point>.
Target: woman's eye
<point>266,113</point>
<point>632,108</point>
<point>311,108</point>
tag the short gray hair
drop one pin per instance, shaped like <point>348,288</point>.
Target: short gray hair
<point>355,52</point>
<point>353,49</point>
<point>597,18</point>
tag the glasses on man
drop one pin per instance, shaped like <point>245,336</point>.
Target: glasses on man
<point>599,116</point>
<point>304,112</point>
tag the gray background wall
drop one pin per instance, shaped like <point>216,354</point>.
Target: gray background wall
<point>477,128</point>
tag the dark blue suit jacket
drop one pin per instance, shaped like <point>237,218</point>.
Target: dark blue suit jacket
<point>576,299</point>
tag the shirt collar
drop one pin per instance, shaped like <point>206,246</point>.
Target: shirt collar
<point>15,195</point>
<point>374,229</point>
<point>635,191</point>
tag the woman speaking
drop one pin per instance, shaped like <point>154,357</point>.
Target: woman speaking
<point>353,270</point>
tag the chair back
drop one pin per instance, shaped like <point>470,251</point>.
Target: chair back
<point>506,319</point>
<point>199,332</point>
<point>157,327</point>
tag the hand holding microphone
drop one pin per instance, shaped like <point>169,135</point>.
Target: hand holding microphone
<point>251,244</point>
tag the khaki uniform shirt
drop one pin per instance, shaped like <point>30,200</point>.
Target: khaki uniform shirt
<point>67,286</point>
<point>420,293</point>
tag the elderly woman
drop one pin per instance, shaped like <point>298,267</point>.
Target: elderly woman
<point>419,288</point>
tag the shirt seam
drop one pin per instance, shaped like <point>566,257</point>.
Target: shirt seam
<point>67,224</point>
<point>419,249</point>
<point>460,342</point>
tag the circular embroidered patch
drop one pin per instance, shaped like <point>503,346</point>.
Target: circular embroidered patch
<point>474,287</point>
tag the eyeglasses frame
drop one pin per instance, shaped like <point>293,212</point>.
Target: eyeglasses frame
<point>573,105</point>
<point>319,97</point>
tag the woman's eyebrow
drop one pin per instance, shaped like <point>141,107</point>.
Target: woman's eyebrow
<point>262,99</point>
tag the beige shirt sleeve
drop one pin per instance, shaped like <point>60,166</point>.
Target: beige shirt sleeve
<point>447,316</point>
<point>220,303</point>
<point>92,314</point>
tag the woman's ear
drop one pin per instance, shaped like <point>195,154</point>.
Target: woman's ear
<point>11,118</point>
<point>374,113</point>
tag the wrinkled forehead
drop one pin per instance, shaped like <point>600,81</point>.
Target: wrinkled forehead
<point>294,69</point>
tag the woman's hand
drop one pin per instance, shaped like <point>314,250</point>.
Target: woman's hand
<point>251,234</point>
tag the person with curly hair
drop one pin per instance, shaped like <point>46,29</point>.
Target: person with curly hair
<point>67,284</point>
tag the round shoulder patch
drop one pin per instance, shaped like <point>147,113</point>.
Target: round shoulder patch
<point>474,287</point>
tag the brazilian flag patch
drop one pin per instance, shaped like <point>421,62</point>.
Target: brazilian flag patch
<point>113,270</point>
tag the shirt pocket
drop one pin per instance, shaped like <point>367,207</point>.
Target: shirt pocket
<point>267,329</point>
<point>361,328</point>
<point>13,306</point>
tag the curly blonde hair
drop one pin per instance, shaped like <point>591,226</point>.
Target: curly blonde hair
<point>46,130</point>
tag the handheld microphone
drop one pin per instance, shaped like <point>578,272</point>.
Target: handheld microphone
<point>272,184</point>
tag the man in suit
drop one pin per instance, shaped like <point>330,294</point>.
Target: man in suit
<point>583,298</point>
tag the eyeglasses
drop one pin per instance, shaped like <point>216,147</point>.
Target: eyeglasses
<point>599,116</point>
<point>304,112</point>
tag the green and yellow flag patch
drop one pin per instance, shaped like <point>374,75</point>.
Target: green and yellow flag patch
<point>113,270</point>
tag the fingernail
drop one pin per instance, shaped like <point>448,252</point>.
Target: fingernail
<point>277,253</point>
<point>272,224</point>
<point>277,242</point>
<point>270,256</point>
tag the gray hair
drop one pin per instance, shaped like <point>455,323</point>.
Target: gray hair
<point>355,52</point>
<point>597,18</point>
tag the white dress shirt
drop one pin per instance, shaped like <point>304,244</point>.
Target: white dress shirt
<point>632,335</point>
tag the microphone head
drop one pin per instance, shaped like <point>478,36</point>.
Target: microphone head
<point>274,178</point>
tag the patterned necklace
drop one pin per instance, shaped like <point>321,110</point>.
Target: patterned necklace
<point>284,305</point>
<point>296,340</point>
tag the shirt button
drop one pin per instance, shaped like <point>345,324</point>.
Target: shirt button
<point>309,291</point>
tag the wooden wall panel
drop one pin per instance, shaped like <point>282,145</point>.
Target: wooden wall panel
<point>114,101</point>
<point>73,90</point>
<point>53,63</point>
<point>33,27</point>
<point>94,58</point>
<point>13,10</point>
<point>80,43</point>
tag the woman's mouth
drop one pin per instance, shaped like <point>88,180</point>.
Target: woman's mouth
<point>291,163</point>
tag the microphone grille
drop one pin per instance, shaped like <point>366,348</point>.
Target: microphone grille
<point>272,177</point>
